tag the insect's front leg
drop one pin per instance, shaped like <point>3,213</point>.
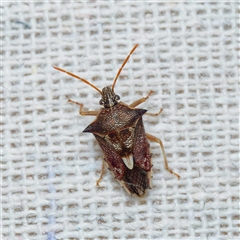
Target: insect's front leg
<point>157,140</point>
<point>84,113</point>
<point>141,100</point>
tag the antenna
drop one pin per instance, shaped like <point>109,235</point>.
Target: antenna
<point>123,64</point>
<point>79,78</point>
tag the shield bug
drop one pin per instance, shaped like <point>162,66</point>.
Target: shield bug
<point>119,131</point>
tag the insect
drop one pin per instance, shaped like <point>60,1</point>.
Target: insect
<point>119,131</point>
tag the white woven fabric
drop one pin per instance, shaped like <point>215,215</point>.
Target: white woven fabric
<point>187,55</point>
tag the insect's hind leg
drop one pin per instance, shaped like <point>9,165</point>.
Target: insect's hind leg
<point>157,140</point>
<point>84,113</point>
<point>101,175</point>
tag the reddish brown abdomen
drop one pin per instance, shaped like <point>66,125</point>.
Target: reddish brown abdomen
<point>120,133</point>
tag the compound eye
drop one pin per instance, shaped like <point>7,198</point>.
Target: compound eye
<point>117,97</point>
<point>101,102</point>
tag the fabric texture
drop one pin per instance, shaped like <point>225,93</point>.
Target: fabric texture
<point>188,57</point>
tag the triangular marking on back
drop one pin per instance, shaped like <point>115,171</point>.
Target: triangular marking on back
<point>128,161</point>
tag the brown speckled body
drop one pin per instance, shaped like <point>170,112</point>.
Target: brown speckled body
<point>120,133</point>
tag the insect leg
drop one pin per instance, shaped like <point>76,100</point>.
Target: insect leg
<point>101,175</point>
<point>141,100</point>
<point>157,140</point>
<point>154,114</point>
<point>84,113</point>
